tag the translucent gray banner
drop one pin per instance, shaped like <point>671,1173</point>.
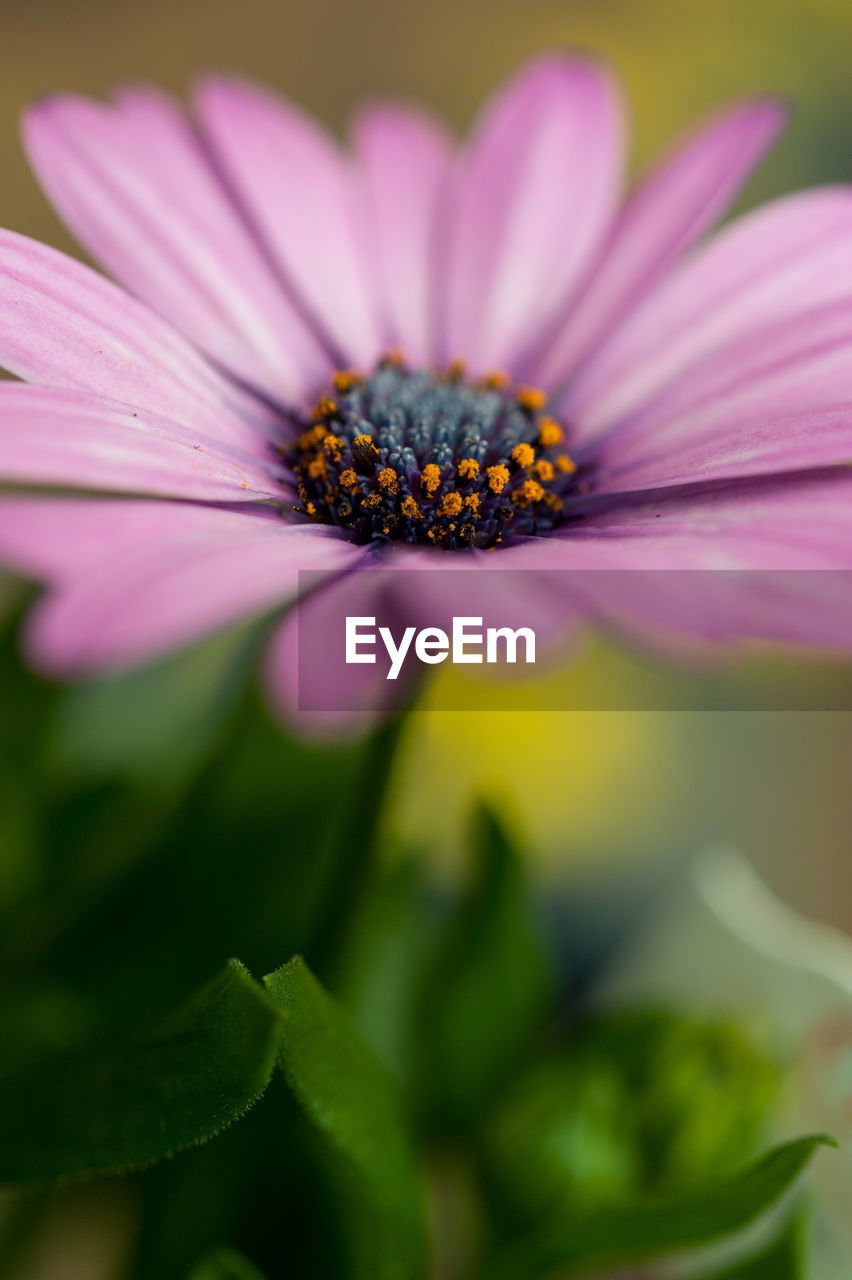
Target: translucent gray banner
<point>721,639</point>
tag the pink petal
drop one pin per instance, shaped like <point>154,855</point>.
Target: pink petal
<point>136,189</point>
<point>762,560</point>
<point>132,580</point>
<point>63,325</point>
<point>778,371</point>
<point>60,538</point>
<point>681,198</point>
<point>72,439</point>
<point>775,264</point>
<point>405,157</point>
<point>298,191</point>
<point>750,446</point>
<point>801,521</point>
<point>535,192</point>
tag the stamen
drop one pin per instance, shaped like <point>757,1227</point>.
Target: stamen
<point>550,433</point>
<point>531,399</point>
<point>523,455</point>
<point>345,379</point>
<point>426,456</point>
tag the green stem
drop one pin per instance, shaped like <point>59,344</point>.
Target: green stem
<point>349,851</point>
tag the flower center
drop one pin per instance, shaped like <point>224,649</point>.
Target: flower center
<point>413,455</point>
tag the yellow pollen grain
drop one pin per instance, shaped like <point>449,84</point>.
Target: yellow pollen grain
<point>468,469</point>
<point>345,379</point>
<point>565,464</point>
<point>388,479</point>
<point>349,479</point>
<point>530,398</point>
<point>333,446</point>
<point>471,503</point>
<point>430,479</point>
<point>529,492</point>
<point>312,439</point>
<point>452,504</point>
<point>498,477</point>
<point>372,501</point>
<point>363,441</point>
<point>316,468</point>
<point>523,455</point>
<point>311,510</point>
<point>410,509</point>
<point>544,470</point>
<point>550,433</point>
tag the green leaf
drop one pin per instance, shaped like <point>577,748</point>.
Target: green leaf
<point>783,1260</point>
<point>612,1237</point>
<point>143,1101</point>
<point>226,1264</point>
<point>491,987</point>
<point>344,1090</point>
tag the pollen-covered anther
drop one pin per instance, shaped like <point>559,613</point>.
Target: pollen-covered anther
<point>430,479</point>
<point>471,503</point>
<point>529,492</point>
<point>389,480</point>
<point>530,399</point>
<point>498,477</point>
<point>365,455</point>
<point>452,504</point>
<point>550,433</point>
<point>496,380</point>
<point>410,509</point>
<point>317,468</point>
<point>349,479</point>
<point>468,469</point>
<point>523,455</point>
<point>311,439</point>
<point>565,464</point>
<point>544,470</point>
<point>394,356</point>
<point>333,447</point>
<point>455,370</point>
<point>325,407</point>
<point>345,379</point>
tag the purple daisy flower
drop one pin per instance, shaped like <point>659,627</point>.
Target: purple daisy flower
<point>411,354</point>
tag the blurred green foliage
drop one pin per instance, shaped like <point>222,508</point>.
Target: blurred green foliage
<point>437,1050</point>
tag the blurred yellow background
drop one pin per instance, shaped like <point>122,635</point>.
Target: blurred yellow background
<point>608,787</point>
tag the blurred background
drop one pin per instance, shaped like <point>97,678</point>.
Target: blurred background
<point>605,792</point>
